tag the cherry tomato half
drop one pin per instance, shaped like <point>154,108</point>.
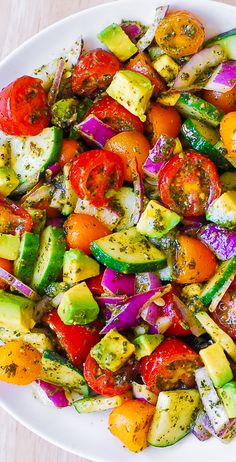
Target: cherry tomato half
<point>82,229</point>
<point>171,365</point>
<point>162,120</point>
<point>23,107</point>
<point>96,174</point>
<point>142,64</point>
<point>95,284</point>
<point>20,363</point>
<point>13,218</point>
<point>225,313</point>
<point>109,383</point>
<point>112,113</point>
<point>227,131</point>
<point>94,72</point>
<point>171,311</point>
<point>225,101</point>
<point>188,183</point>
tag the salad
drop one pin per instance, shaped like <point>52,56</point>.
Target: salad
<point>118,231</point>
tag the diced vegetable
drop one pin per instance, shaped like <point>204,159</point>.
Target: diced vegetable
<point>198,428</point>
<point>148,37</point>
<point>18,285</point>
<point>100,403</point>
<point>220,240</point>
<point>117,283</point>
<point>107,215</point>
<point>223,78</point>
<point>51,394</point>
<point>95,130</point>
<point>160,153</point>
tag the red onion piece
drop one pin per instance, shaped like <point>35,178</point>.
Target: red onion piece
<point>146,281</point>
<point>198,63</point>
<point>141,392</point>
<point>220,240</point>
<point>106,215</point>
<point>18,285</point>
<point>160,153</point>
<point>118,283</point>
<point>54,90</point>
<point>223,78</point>
<point>199,430</point>
<point>53,170</point>
<point>93,129</point>
<point>54,393</point>
<point>148,37</point>
<point>193,323</point>
<point>162,325</point>
<point>57,222</point>
<point>132,29</point>
<point>138,189</point>
<point>226,434</point>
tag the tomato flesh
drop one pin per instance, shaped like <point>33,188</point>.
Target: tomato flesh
<point>188,183</point>
<point>13,218</point>
<point>96,174</point>
<point>225,313</point>
<point>225,101</point>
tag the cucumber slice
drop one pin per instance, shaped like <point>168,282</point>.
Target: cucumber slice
<point>227,41</point>
<point>174,414</point>
<point>197,108</point>
<point>38,338</point>
<point>100,403</point>
<point>59,371</point>
<point>50,258</point>
<point>128,252</point>
<point>215,284</point>
<point>32,154</point>
<point>125,202</point>
<point>203,138</point>
<point>24,265</point>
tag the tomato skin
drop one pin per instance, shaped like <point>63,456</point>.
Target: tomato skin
<point>171,311</point>
<point>8,266</point>
<point>13,218</point>
<point>191,259</point>
<point>95,173</point>
<point>181,186</point>
<point>77,340</point>
<point>94,72</point>
<point>227,131</point>
<point>69,150</point>
<point>142,64</point>
<point>225,313</point>
<point>225,101</point>
<point>108,383</point>
<point>23,107</point>
<point>20,363</point>
<point>81,230</point>
<point>95,284</point>
<point>112,113</point>
<point>162,120</point>
<point>170,365</point>
<point>129,145</point>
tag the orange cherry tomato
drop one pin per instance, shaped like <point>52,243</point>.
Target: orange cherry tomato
<point>81,230</point>
<point>8,266</point>
<point>130,422</point>
<point>228,132</point>
<point>20,363</point>
<point>179,34</point>
<point>194,262</point>
<point>69,150</point>
<point>129,145</point>
<point>163,120</point>
<point>142,64</point>
<point>225,101</point>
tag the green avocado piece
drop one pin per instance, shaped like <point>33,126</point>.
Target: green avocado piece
<point>16,312</point>
<point>227,393</point>
<point>9,246</point>
<point>112,351</point>
<point>78,266</point>
<point>64,112</point>
<point>217,364</point>
<point>78,306</point>
<point>8,181</point>
<point>118,42</point>
<point>223,210</point>
<point>145,344</point>
<point>133,91</point>
<point>156,220</point>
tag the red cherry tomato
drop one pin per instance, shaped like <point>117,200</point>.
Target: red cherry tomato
<point>23,107</point>
<point>171,365</point>
<point>77,340</point>
<point>95,284</point>
<point>109,383</point>
<point>171,311</point>
<point>95,174</point>
<point>225,313</point>
<point>13,218</point>
<point>115,115</point>
<point>94,72</point>
<point>225,101</point>
<point>188,183</point>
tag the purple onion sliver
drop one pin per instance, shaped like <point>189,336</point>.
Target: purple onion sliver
<point>220,240</point>
<point>159,155</point>
<point>118,283</point>
<point>54,393</point>
<point>132,29</point>
<point>223,78</point>
<point>199,430</point>
<point>54,90</point>
<point>53,170</point>
<point>18,285</point>
<point>95,130</point>
<point>57,222</point>
<point>146,281</point>
<point>138,189</point>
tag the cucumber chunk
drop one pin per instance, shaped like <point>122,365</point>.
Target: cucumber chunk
<point>24,265</point>
<point>215,284</point>
<point>197,108</point>
<point>128,252</point>
<point>100,403</point>
<point>38,338</point>
<point>227,41</point>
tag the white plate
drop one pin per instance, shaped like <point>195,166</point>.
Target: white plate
<point>87,435</point>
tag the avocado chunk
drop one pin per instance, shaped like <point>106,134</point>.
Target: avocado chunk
<point>77,266</point>
<point>16,312</point>
<point>112,351</point>
<point>8,181</point>
<point>9,246</point>
<point>166,67</point>
<point>145,344</point>
<point>78,306</point>
<point>118,42</point>
<point>227,393</point>
<point>133,91</point>
<point>223,210</point>
<point>156,220</point>
<point>217,364</point>
<point>64,112</point>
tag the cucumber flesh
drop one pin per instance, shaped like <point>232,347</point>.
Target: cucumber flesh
<point>197,108</point>
<point>128,252</point>
<point>24,265</point>
<point>125,202</point>
<point>38,338</point>
<point>215,284</point>
<point>203,139</point>
<point>227,41</point>
<point>100,403</point>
